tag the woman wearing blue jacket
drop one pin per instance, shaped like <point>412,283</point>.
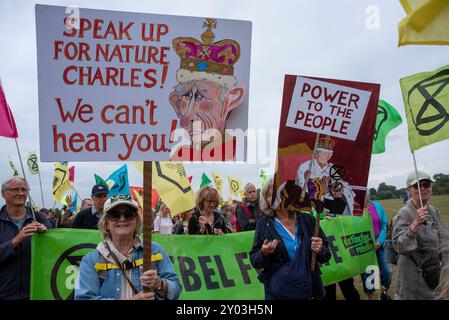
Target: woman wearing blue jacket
<point>282,236</point>
<point>113,270</point>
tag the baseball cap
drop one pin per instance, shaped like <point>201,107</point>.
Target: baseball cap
<point>99,189</point>
<point>411,178</point>
<point>119,199</point>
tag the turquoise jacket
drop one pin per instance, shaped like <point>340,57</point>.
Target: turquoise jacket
<point>383,222</point>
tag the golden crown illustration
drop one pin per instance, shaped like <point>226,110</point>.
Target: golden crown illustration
<point>207,60</point>
<point>326,143</point>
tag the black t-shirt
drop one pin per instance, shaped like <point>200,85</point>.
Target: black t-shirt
<point>335,206</point>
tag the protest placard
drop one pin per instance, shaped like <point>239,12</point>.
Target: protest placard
<point>115,86</point>
<point>325,141</point>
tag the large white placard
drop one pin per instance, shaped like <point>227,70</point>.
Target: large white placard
<point>114,86</point>
<point>327,108</point>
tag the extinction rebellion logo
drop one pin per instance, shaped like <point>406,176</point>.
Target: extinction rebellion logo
<point>65,271</point>
<point>431,115</point>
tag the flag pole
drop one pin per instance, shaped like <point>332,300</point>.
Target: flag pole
<point>11,123</point>
<point>40,183</point>
<point>416,172</point>
<point>26,181</point>
<point>147,216</point>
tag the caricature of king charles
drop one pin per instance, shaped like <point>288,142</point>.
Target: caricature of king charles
<point>206,93</point>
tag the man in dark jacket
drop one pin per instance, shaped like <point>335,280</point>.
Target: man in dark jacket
<point>248,211</point>
<point>88,218</point>
<point>17,225</point>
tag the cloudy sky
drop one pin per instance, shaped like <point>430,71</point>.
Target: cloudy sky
<point>322,38</point>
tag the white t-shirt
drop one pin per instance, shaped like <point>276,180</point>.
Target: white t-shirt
<point>163,225</point>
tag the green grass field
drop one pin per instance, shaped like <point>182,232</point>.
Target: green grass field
<point>391,208</point>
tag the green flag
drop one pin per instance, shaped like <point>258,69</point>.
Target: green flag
<point>205,180</point>
<point>33,167</point>
<point>263,177</point>
<point>426,102</point>
<point>13,167</point>
<point>100,180</point>
<point>387,119</point>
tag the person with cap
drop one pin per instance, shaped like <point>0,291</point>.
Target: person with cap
<point>285,236</point>
<point>17,225</point>
<point>422,241</point>
<point>206,93</point>
<point>314,176</point>
<point>113,271</point>
<point>88,218</point>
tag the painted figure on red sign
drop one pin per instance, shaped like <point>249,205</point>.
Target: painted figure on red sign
<point>315,176</point>
<point>206,94</point>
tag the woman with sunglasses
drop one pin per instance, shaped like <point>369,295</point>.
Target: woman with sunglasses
<point>206,219</point>
<point>421,240</point>
<point>113,269</point>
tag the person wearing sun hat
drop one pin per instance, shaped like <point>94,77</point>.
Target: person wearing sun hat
<point>422,241</point>
<point>113,269</point>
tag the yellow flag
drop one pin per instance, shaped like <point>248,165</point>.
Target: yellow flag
<point>235,186</point>
<point>218,182</point>
<point>61,183</point>
<point>427,22</point>
<point>173,186</point>
<point>139,166</point>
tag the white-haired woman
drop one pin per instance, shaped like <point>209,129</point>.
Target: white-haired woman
<point>113,269</point>
<point>248,211</point>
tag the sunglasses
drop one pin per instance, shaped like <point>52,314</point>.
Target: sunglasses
<point>422,185</point>
<point>120,197</point>
<point>115,215</point>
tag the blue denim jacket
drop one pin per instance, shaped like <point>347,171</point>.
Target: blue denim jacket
<point>88,285</point>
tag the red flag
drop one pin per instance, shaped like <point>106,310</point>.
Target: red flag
<point>72,174</point>
<point>8,126</point>
<point>190,178</point>
<point>137,194</point>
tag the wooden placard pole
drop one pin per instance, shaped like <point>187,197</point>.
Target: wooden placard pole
<point>303,192</point>
<point>147,216</point>
<point>315,234</point>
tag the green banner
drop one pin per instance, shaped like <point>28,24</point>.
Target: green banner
<point>351,240</point>
<point>209,267</point>
<point>56,256</point>
<point>214,267</point>
<point>426,102</point>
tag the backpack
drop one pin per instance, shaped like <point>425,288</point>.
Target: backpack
<point>391,256</point>
<point>248,214</point>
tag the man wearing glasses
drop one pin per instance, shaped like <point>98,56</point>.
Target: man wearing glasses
<point>17,225</point>
<point>88,218</point>
<point>421,240</point>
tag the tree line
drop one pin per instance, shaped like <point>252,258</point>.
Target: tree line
<point>384,191</point>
